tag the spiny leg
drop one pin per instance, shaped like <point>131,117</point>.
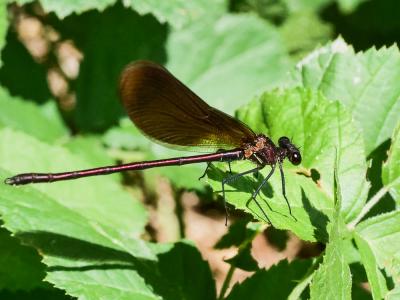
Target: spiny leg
<point>284,190</point>
<point>231,179</point>
<point>264,182</point>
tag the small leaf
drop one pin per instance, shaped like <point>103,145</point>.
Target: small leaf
<point>276,282</point>
<point>391,168</point>
<point>356,81</point>
<point>244,260</point>
<point>236,235</point>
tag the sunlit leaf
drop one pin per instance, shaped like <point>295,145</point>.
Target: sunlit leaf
<point>364,82</point>
<point>382,234</point>
<point>391,168</point>
<point>319,127</point>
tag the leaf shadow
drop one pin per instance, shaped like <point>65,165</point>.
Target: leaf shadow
<point>248,185</point>
<point>245,183</point>
<point>317,218</point>
<point>159,274</point>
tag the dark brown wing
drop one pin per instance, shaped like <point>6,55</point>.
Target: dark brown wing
<point>164,109</point>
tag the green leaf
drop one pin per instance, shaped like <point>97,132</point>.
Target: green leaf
<point>109,41</point>
<point>276,282</point>
<point>72,243</point>
<point>64,8</point>
<point>183,274</point>
<point>306,5</point>
<point>375,277</point>
<point>356,81</point>
<point>237,233</point>
<point>91,149</point>
<point>97,199</point>
<point>229,60</point>
<point>87,231</point>
<point>126,136</point>
<point>382,235</point>
<point>241,234</point>
<point>318,126</point>
<point>393,294</point>
<point>391,168</point>
<point>303,31</point>
<point>244,260</point>
<point>3,26</point>
<point>27,270</point>
<point>333,280</point>
<point>29,118</point>
<point>179,13</point>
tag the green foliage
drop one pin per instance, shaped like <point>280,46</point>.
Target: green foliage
<point>226,61</point>
<point>87,239</point>
<point>355,79</point>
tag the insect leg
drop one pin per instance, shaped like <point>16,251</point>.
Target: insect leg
<point>231,179</point>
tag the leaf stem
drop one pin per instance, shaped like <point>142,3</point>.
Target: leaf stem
<point>227,280</point>
<point>371,203</point>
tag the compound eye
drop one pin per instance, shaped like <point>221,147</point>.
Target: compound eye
<point>295,158</point>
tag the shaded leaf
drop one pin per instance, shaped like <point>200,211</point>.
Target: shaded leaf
<point>276,282</point>
<point>237,233</point>
<point>21,74</point>
<point>109,40</point>
<point>27,270</point>
<point>244,260</point>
